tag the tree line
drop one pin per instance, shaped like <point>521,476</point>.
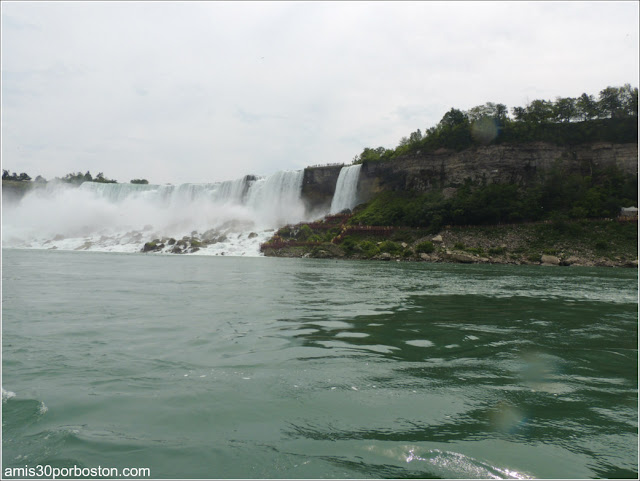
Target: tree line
<point>76,178</point>
<point>613,117</point>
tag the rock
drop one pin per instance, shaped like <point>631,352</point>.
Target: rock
<point>462,258</point>
<point>633,263</point>
<point>570,261</point>
<point>425,257</point>
<point>385,256</point>
<point>152,246</point>
<point>404,245</point>
<point>84,246</point>
<point>548,260</point>
<point>252,235</point>
<point>176,250</point>
<point>438,239</point>
<point>171,241</point>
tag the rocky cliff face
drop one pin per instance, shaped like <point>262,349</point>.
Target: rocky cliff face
<point>318,187</point>
<point>519,164</point>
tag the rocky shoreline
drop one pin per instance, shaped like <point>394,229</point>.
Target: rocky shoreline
<point>610,244</point>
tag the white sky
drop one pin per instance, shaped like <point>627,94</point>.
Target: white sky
<point>210,91</point>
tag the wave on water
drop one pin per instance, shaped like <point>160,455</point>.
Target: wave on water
<point>225,218</point>
<point>446,464</point>
<point>6,395</point>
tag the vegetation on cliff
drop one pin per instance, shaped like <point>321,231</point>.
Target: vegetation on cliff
<point>613,117</point>
<point>557,194</point>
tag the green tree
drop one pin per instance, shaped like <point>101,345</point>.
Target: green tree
<point>539,111</point>
<point>587,107</point>
<point>629,99</point>
<point>415,137</point>
<point>452,118</point>
<point>610,103</point>
<point>565,109</point>
<point>103,180</point>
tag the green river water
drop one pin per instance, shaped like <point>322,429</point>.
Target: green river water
<point>234,367</point>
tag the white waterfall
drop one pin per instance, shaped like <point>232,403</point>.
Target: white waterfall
<point>277,198</point>
<point>122,217</point>
<point>345,196</point>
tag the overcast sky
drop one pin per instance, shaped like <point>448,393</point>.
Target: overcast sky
<point>210,91</point>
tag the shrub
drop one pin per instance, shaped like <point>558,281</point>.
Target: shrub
<point>426,247</point>
<point>304,232</point>
<point>390,247</point>
<point>284,231</point>
<point>369,249</point>
<point>348,244</point>
<point>497,250</point>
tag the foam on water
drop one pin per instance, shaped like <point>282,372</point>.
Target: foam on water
<point>6,395</point>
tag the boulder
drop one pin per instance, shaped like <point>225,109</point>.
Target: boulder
<point>252,235</point>
<point>438,239</point>
<point>153,246</point>
<point>571,260</point>
<point>462,258</point>
<point>385,256</point>
<point>548,260</point>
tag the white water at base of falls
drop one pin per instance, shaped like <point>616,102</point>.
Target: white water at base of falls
<point>345,196</point>
<point>238,215</point>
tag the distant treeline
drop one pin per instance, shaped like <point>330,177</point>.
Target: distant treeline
<point>612,117</point>
<point>71,178</point>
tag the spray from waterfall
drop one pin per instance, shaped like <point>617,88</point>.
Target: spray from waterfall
<point>237,214</point>
<point>346,194</point>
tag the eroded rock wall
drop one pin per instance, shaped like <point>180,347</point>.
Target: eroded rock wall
<point>516,164</point>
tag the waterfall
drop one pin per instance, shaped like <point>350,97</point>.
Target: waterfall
<point>345,196</point>
<point>277,198</point>
<point>122,217</point>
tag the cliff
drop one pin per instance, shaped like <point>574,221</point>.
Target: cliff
<point>511,163</point>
